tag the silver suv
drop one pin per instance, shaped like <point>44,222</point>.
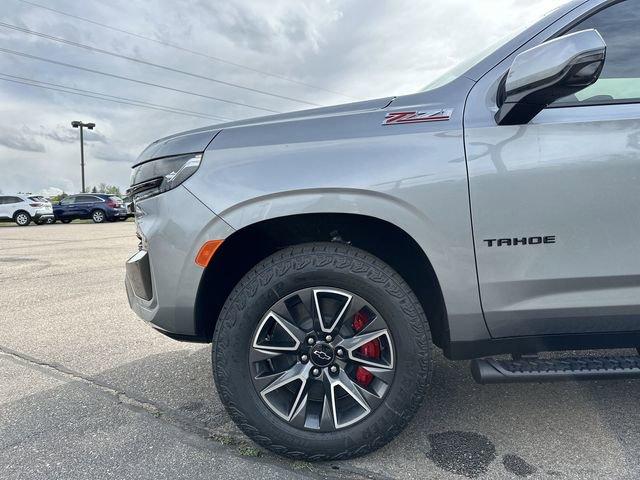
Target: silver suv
<point>324,252</point>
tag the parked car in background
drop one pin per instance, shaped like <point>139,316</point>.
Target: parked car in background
<point>95,206</point>
<point>22,209</point>
<point>128,204</point>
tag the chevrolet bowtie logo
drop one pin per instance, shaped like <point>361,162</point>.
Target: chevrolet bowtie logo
<point>322,355</point>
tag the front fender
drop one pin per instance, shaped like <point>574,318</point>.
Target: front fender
<point>454,267</point>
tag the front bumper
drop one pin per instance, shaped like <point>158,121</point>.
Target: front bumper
<point>139,276</point>
<point>162,278</point>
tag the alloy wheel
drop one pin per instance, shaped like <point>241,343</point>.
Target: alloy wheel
<point>322,359</point>
<point>98,216</point>
<point>22,219</point>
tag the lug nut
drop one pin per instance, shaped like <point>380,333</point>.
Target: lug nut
<point>315,372</point>
<point>304,358</point>
<point>328,338</point>
<point>333,369</point>
<point>340,352</point>
<point>311,340</point>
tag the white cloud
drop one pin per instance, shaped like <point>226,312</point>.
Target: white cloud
<point>362,48</point>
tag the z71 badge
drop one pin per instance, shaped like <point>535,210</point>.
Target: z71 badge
<point>397,118</point>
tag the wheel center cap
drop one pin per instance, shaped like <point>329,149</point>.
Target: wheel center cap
<point>322,354</point>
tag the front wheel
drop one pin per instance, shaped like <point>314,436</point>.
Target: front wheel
<point>98,216</point>
<point>322,352</point>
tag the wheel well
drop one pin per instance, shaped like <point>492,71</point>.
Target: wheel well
<point>242,250</point>
<point>18,212</point>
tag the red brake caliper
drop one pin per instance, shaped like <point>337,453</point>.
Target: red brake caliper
<point>369,350</point>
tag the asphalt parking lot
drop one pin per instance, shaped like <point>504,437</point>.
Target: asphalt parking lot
<point>88,391</point>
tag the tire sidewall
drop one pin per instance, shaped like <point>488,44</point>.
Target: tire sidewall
<point>340,267</point>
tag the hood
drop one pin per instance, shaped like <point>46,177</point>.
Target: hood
<point>366,105</point>
<point>197,140</point>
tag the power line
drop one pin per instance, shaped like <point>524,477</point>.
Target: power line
<point>151,64</point>
<point>134,80</point>
<point>184,49</point>
<point>93,96</point>
<point>127,101</point>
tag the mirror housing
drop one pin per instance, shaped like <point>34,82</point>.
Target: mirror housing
<point>548,72</point>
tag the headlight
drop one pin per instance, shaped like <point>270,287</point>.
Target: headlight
<point>157,176</point>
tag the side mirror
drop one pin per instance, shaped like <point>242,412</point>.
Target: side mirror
<point>548,72</point>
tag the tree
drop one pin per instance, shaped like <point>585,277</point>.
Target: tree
<point>108,189</point>
<point>57,198</point>
<point>113,190</point>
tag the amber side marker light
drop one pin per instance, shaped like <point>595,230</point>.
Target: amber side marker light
<point>207,251</point>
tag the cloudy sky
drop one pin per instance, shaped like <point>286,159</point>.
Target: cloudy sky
<point>316,51</point>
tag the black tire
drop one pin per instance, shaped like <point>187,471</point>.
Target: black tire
<point>313,265</point>
<point>22,218</point>
<point>66,220</point>
<point>122,219</point>
<point>98,216</point>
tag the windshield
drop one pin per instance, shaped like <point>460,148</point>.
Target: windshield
<point>476,56</point>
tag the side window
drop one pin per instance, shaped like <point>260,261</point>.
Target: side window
<point>3,200</point>
<point>14,200</point>
<point>68,201</point>
<point>87,199</point>
<point>619,82</point>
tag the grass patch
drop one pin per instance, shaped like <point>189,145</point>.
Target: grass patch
<point>301,465</point>
<point>249,451</point>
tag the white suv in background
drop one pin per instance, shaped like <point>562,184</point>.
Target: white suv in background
<point>22,209</point>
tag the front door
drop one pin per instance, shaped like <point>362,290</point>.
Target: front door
<point>67,210</point>
<point>556,202</point>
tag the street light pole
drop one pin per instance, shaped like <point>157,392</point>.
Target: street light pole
<point>82,155</point>
<point>90,126</point>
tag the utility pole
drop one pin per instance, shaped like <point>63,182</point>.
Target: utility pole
<point>90,126</point>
